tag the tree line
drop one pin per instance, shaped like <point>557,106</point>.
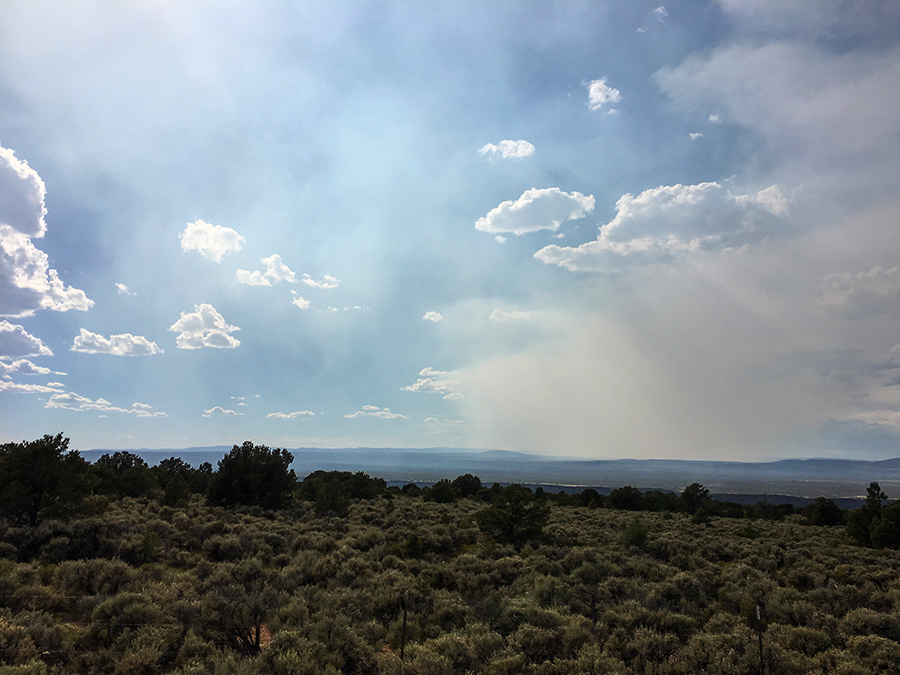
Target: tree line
<point>254,475</point>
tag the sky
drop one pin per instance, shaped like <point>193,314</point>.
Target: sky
<point>602,229</point>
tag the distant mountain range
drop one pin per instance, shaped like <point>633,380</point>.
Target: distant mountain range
<point>803,478</point>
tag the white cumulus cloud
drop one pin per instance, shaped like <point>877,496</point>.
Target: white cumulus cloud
<point>433,316</point>
<point>508,149</point>
<point>537,209</point>
<point>300,301</point>
<point>125,344</point>
<point>204,327</point>
<point>275,271</point>
<point>15,342</point>
<point>211,241</point>
<point>124,290</point>
<point>327,281</point>
<point>431,381</point>
<point>72,401</point>
<point>375,411</point>
<point>660,13</point>
<point>219,411</point>
<point>600,93</point>
<point>23,367</point>
<point>297,414</point>
<point>669,220</point>
<point>17,388</point>
<point>22,191</point>
<point>27,283</point>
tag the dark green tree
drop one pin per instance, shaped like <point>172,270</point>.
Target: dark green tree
<point>124,474</point>
<point>885,531</point>
<point>442,492</point>
<point>657,500</point>
<point>875,497</point>
<point>467,484</point>
<point>625,498</point>
<point>861,521</point>
<point>589,497</point>
<point>693,497</point>
<point>254,475</point>
<point>175,468</point>
<point>514,517</point>
<point>40,479</point>
<point>823,512</point>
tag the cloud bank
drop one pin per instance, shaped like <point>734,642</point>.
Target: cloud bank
<point>663,222</point>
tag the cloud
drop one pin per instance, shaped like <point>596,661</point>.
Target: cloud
<point>876,291</point>
<point>204,327</point>
<point>434,426</point>
<point>537,209</point>
<point>211,241</point>
<point>599,94</point>
<point>300,301</point>
<point>27,283</point>
<point>502,316</point>
<point>808,103</point>
<point>375,411</point>
<point>22,191</point>
<point>832,19</point>
<point>433,316</point>
<point>328,281</point>
<point>694,135</point>
<point>508,150</point>
<point>123,289</point>
<point>16,388</point>
<point>663,222</point>
<point>15,341</point>
<point>444,424</point>
<point>125,344</point>
<point>660,13</point>
<point>219,411</point>
<point>72,401</point>
<point>23,367</point>
<point>276,271</point>
<point>297,414</point>
<point>430,381</point>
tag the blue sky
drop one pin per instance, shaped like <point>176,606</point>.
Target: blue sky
<point>593,229</point>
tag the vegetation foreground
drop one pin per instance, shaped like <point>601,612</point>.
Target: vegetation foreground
<point>117,567</point>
